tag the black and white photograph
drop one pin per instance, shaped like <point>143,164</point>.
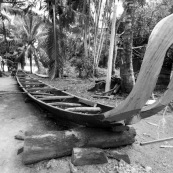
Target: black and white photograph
<point>86,86</point>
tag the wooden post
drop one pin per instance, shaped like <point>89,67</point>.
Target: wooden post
<point>111,49</point>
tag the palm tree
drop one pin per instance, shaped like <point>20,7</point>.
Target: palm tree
<point>28,31</point>
<point>53,47</point>
<point>126,67</point>
<point>3,29</point>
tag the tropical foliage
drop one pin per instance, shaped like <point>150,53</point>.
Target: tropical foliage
<point>82,33</point>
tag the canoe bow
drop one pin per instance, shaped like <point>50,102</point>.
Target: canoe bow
<point>132,108</point>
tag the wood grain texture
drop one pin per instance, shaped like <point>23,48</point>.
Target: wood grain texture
<point>84,109</point>
<point>40,146</point>
<point>160,40</point>
<point>65,104</point>
<point>55,97</point>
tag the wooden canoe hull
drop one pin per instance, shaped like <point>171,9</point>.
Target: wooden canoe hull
<point>133,108</point>
<point>91,120</point>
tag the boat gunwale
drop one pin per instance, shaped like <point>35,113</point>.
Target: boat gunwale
<point>54,107</point>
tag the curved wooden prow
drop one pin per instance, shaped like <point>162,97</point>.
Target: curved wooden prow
<point>160,40</point>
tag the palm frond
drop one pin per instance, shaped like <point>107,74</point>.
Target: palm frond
<point>12,10</point>
<point>26,32</point>
<point>34,29</point>
<point>30,17</point>
<point>5,17</point>
<point>26,23</point>
<point>44,59</point>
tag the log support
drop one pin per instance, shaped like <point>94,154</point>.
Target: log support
<point>55,144</point>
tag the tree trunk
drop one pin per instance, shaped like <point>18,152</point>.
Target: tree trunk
<point>61,50</point>
<point>111,50</point>
<point>96,30</point>
<point>56,71</point>
<point>39,65</point>
<point>114,57</point>
<point>30,63</point>
<point>36,61</point>
<point>42,146</point>
<point>126,69</point>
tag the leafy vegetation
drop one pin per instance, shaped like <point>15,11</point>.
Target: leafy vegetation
<point>82,33</point>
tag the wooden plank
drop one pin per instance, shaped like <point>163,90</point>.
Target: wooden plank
<point>84,109</point>
<point>103,97</point>
<point>25,83</point>
<point>65,104</point>
<point>37,93</point>
<point>41,89</point>
<point>160,40</point>
<point>42,95</point>
<point>55,97</point>
<point>24,78</point>
<point>35,84</point>
<point>87,102</point>
<point>28,80</point>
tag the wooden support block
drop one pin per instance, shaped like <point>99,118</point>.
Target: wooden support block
<point>119,128</point>
<point>55,144</point>
<point>88,156</point>
<point>84,109</point>
<point>65,104</point>
<point>118,156</point>
<point>55,97</point>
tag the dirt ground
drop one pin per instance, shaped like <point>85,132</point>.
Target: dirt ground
<point>16,115</point>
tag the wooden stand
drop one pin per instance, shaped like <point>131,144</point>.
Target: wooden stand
<point>54,144</point>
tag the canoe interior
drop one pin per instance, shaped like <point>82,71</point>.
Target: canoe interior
<point>64,105</point>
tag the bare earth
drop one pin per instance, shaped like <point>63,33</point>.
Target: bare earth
<point>16,115</point>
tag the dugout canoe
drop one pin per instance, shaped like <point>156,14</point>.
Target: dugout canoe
<point>132,109</point>
<point>64,105</point>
